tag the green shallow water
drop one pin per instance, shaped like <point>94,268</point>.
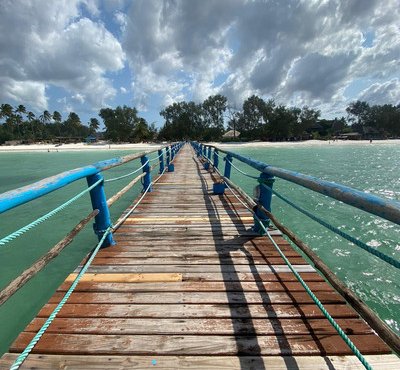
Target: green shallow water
<point>373,168</point>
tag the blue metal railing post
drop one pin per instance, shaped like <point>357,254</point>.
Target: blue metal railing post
<point>168,154</point>
<point>161,159</point>
<point>172,152</point>
<point>209,154</point>
<point>264,198</point>
<point>146,170</point>
<point>99,201</point>
<point>204,150</point>
<point>228,166</point>
<point>216,160</point>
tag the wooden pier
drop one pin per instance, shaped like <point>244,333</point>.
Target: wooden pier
<point>189,285</point>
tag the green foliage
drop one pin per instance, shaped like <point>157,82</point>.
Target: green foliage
<point>374,121</point>
<point>124,125</point>
<point>22,125</point>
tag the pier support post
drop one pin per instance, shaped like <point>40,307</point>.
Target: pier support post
<point>99,201</point>
<point>228,166</point>
<point>161,159</point>
<point>147,177</point>
<point>264,197</point>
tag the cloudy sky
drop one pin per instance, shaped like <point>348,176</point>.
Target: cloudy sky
<point>71,55</point>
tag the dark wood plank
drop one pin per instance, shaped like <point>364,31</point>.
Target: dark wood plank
<point>203,345</point>
<point>198,260</point>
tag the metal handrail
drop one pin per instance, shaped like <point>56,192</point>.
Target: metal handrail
<point>16,197</point>
<point>385,208</point>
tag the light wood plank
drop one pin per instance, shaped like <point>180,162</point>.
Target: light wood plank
<point>46,362</point>
<point>125,278</point>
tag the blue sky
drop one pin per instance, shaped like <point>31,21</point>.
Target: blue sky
<point>71,55</point>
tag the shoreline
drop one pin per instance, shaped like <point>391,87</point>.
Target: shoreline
<point>151,146</point>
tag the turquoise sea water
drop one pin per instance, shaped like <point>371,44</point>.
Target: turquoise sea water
<point>372,167</point>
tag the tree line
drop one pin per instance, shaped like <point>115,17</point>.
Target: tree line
<point>257,119</point>
<point>121,124</point>
<point>22,125</point>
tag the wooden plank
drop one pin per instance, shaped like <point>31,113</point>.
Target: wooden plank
<point>205,345</point>
<point>254,269</point>
<point>128,283</point>
<point>125,278</point>
<point>186,310</point>
<point>47,362</point>
<point>205,326</point>
<point>244,277</point>
<point>198,261</point>
<point>184,253</point>
<point>244,298</point>
<point>198,219</point>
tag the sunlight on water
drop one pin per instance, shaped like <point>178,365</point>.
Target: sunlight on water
<point>371,168</point>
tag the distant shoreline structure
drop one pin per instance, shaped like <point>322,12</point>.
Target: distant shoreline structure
<point>144,146</point>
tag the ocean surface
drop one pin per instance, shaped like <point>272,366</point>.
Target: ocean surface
<point>373,168</point>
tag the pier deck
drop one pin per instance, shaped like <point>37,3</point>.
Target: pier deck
<point>188,285</point>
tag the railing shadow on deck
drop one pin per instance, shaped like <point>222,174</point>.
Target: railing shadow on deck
<point>290,362</point>
<point>232,280</point>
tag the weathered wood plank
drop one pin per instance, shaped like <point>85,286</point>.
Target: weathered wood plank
<point>241,277</point>
<point>209,326</point>
<point>236,261</point>
<point>254,269</point>
<point>198,345</point>
<point>244,298</point>
<point>192,310</point>
<point>128,283</point>
<point>250,252</point>
<point>46,362</point>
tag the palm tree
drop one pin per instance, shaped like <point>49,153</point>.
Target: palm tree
<point>19,111</point>
<point>45,117</point>
<point>6,110</point>
<point>57,118</point>
<point>94,125</point>
<point>31,116</point>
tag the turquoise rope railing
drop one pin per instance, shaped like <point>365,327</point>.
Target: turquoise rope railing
<point>200,149</point>
<point>28,193</point>
<point>327,225</point>
<point>44,218</point>
<point>106,233</point>
<point>24,354</point>
<point>22,357</point>
<point>126,175</point>
<point>334,324</point>
<point>339,232</point>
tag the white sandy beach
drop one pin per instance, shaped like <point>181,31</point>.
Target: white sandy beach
<point>307,143</point>
<point>150,146</point>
